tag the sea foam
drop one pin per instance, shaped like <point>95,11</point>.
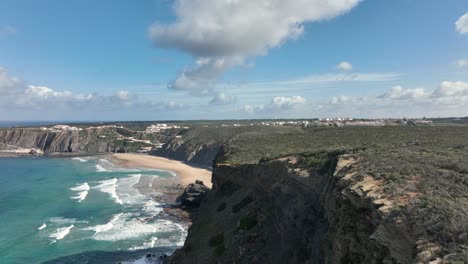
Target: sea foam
<point>105,227</point>
<point>65,221</point>
<point>128,226</point>
<point>149,244</point>
<point>60,233</point>
<point>109,187</point>
<point>82,190</point>
<point>99,168</point>
<point>80,159</point>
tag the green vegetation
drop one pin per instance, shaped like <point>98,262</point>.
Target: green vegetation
<point>219,250</point>
<point>216,240</point>
<point>434,170</point>
<point>221,207</point>
<point>424,165</point>
<point>244,202</point>
<point>218,243</point>
<point>247,222</point>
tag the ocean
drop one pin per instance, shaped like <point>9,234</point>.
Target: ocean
<point>53,207</point>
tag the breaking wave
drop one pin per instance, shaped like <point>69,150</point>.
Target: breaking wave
<point>109,187</point>
<point>82,190</point>
<point>80,159</point>
<point>60,233</point>
<point>99,168</point>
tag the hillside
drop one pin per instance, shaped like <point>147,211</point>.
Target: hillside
<point>336,195</point>
<point>392,194</point>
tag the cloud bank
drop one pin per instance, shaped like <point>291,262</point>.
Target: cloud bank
<point>278,104</point>
<point>221,34</point>
<point>15,94</point>
<point>450,98</point>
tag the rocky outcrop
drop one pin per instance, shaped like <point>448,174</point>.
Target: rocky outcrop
<point>199,153</point>
<point>92,141</point>
<point>193,195</point>
<point>283,211</point>
<point>50,142</point>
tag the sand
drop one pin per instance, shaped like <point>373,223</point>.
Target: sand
<point>185,174</point>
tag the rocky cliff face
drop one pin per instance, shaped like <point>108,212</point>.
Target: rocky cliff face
<point>89,141</point>
<point>70,141</point>
<point>285,211</point>
<point>199,153</point>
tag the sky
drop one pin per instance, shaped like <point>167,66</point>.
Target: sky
<point>232,59</point>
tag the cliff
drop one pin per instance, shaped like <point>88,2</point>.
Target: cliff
<point>309,209</point>
<point>198,153</point>
<point>52,142</point>
<point>331,195</point>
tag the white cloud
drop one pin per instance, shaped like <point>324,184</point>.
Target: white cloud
<point>123,97</point>
<point>451,89</point>
<point>223,98</point>
<point>462,64</point>
<point>330,78</point>
<point>8,84</point>
<point>449,99</point>
<point>297,85</point>
<point>221,34</point>
<point>336,100</point>
<point>40,97</point>
<point>171,105</point>
<point>277,104</point>
<point>164,105</point>
<point>17,94</point>
<point>399,92</point>
<point>462,24</point>
<point>344,66</point>
<point>252,109</point>
<point>281,102</point>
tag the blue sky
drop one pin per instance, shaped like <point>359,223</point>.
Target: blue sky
<point>213,59</point>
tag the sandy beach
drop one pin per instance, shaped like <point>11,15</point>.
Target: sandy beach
<point>186,174</point>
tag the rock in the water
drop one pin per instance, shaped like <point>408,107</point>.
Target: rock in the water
<point>193,194</point>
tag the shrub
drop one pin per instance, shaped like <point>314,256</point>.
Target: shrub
<point>247,222</point>
<point>218,251</point>
<point>244,202</point>
<point>217,240</point>
<point>221,207</point>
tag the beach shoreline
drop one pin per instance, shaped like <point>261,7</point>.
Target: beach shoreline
<point>185,174</point>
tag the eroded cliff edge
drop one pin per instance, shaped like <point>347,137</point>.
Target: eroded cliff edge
<point>344,195</point>
<point>49,142</point>
<point>320,208</point>
<point>189,148</point>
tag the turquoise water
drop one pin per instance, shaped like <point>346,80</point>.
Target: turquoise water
<point>56,207</point>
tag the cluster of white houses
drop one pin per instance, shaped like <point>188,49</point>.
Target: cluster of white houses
<point>61,128</point>
<point>156,128</point>
<point>104,127</point>
<point>342,122</point>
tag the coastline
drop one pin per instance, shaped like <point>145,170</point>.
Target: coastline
<point>185,174</point>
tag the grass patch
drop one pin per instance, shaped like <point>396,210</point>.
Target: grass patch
<point>216,240</point>
<point>247,222</point>
<point>244,202</point>
<point>219,250</point>
<point>221,207</point>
